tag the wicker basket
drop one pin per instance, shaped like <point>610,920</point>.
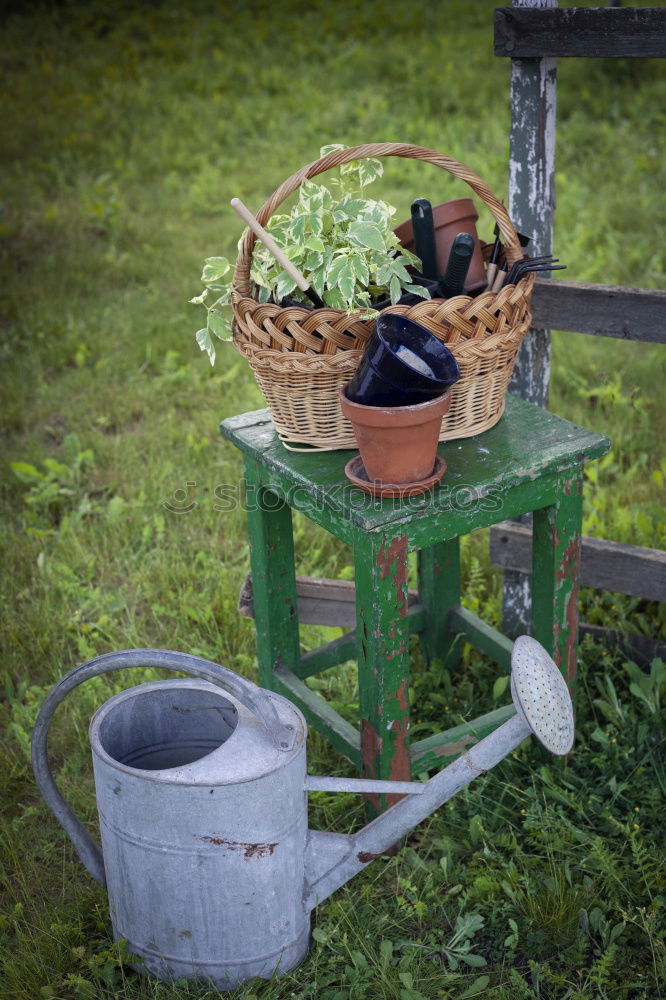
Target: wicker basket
<point>301,357</point>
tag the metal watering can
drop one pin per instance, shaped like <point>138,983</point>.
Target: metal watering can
<point>201,787</point>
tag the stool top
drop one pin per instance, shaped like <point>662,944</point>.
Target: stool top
<point>507,470</point>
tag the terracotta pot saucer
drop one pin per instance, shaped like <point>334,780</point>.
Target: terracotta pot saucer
<point>355,472</point>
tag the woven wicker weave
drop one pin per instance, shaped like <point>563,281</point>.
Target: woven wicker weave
<point>301,357</point>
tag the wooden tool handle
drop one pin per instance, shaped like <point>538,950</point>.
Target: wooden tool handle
<point>270,244</point>
<point>498,283</point>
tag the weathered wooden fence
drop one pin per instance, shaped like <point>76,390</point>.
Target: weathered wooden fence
<point>534,34</point>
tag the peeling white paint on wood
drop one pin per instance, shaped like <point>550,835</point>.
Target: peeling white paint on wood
<point>531,207</point>
<point>532,156</point>
<point>532,191</point>
<point>516,606</point>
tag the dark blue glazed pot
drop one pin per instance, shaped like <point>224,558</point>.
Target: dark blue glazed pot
<point>403,364</point>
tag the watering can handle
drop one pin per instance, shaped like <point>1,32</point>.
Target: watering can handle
<point>253,697</point>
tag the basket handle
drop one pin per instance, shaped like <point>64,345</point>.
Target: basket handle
<point>513,250</point>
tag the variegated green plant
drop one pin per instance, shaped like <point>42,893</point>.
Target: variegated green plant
<point>343,243</point>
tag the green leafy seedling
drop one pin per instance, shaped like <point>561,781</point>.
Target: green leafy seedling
<point>343,243</point>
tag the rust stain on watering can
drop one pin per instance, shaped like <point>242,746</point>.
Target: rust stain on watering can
<point>248,850</point>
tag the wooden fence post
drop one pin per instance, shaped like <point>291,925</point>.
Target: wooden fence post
<point>531,207</point>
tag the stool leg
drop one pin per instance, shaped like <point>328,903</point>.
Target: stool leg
<point>556,539</point>
<point>382,637</point>
<point>439,591</point>
<point>273,578</point>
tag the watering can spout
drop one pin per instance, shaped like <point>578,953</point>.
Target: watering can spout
<point>543,708</point>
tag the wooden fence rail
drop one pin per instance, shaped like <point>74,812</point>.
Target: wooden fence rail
<point>600,310</point>
<point>611,32</point>
<point>333,603</point>
<point>625,569</point>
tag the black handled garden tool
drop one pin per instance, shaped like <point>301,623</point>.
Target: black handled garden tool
<point>424,237</point>
<point>522,267</point>
<point>453,281</point>
<point>496,254</point>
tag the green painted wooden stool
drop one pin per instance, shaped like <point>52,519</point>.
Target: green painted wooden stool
<point>530,461</point>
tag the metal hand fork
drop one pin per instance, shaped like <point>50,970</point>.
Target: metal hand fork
<point>522,267</point>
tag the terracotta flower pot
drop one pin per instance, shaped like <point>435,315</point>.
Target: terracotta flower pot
<point>449,219</point>
<point>398,444</point>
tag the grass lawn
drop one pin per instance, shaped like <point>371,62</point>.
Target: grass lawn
<point>126,130</point>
